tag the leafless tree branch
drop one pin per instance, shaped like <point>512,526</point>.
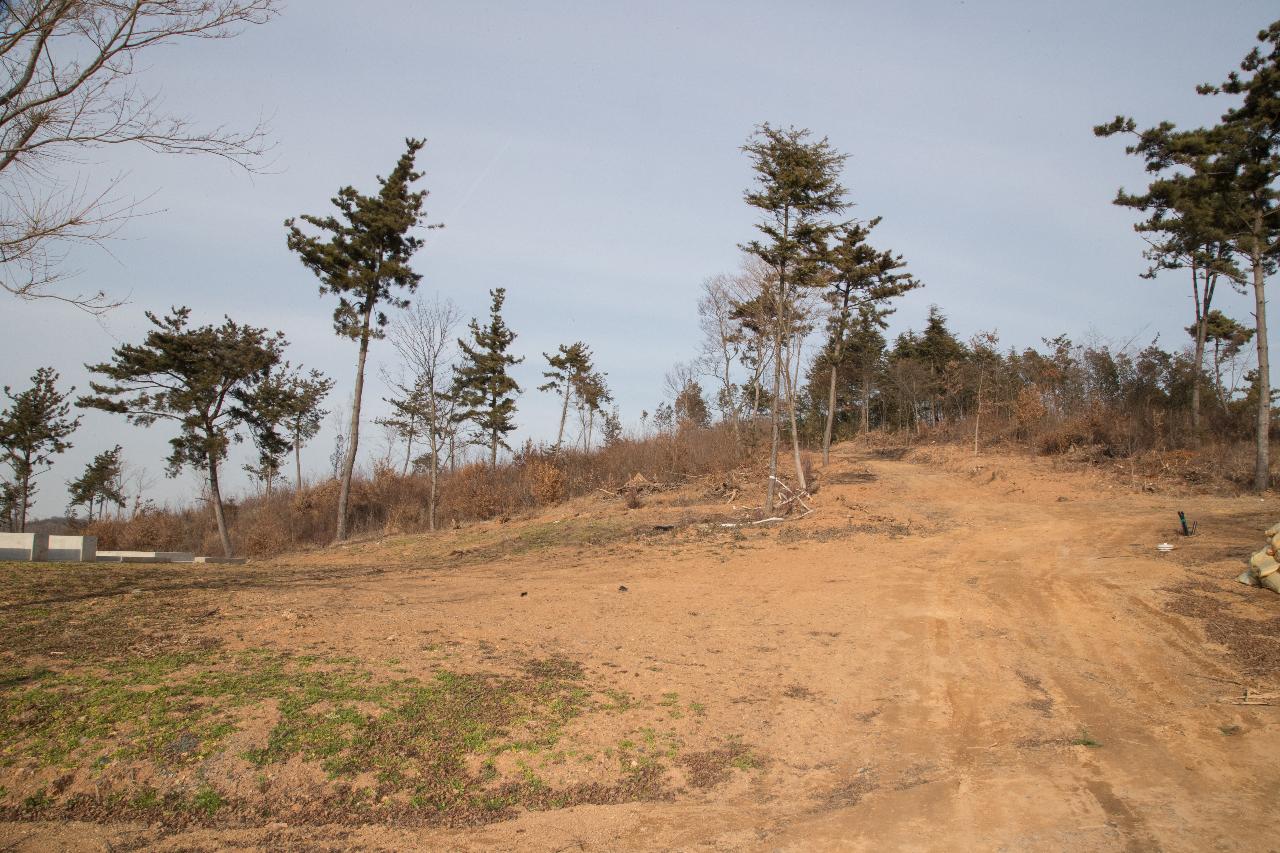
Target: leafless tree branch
<point>67,84</point>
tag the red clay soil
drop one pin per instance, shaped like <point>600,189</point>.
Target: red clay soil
<point>948,654</point>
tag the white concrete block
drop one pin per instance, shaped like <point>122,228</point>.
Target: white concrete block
<point>228,561</point>
<point>145,557</point>
<point>23,546</point>
<point>72,549</point>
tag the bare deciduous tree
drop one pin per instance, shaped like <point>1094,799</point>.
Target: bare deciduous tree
<point>71,71</point>
<point>423,336</point>
<point>721,342</point>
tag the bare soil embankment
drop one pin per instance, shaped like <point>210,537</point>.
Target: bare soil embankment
<point>949,653</point>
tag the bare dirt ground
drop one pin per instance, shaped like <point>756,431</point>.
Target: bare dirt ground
<point>948,654</point>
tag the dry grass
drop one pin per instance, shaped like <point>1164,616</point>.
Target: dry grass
<point>388,503</point>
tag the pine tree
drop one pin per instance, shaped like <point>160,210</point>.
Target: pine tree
<point>567,368</point>
<point>690,406</point>
<point>201,379</point>
<point>865,347</point>
<point>364,261</point>
<point>1227,337</point>
<point>861,279</point>
<point>34,429</point>
<point>99,484</point>
<point>1246,159</point>
<point>1185,230</point>
<point>283,413</point>
<point>410,417</point>
<point>593,394</point>
<point>1236,168</point>
<point>10,500</point>
<point>484,390</point>
<point>798,187</point>
<point>611,429</point>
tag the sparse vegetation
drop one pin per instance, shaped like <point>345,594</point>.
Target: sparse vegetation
<point>819,593</point>
<point>1085,739</point>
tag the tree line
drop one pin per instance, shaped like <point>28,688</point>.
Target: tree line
<point>793,345</point>
<point>219,384</point>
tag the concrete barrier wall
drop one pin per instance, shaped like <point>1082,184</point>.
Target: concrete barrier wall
<point>72,549</point>
<point>23,546</point>
<point>145,557</point>
<point>42,548</point>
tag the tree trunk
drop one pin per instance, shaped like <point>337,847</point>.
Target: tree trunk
<point>977,415</point>
<point>771,489</point>
<point>1217,377</point>
<point>23,505</point>
<point>349,461</point>
<point>866,401</point>
<point>297,461</point>
<point>792,382</point>
<point>1202,311</point>
<point>831,419</point>
<point>730,403</point>
<point>408,449</point>
<point>564,414</point>
<point>431,493</point>
<point>1262,462</point>
<point>215,494</point>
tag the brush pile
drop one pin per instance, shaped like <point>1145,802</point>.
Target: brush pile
<point>1264,568</point>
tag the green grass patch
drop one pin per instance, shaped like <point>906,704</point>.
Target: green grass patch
<point>419,738</point>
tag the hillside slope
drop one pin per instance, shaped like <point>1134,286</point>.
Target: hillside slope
<point>946,654</point>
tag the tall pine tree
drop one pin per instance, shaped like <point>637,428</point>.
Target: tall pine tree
<point>200,379</point>
<point>1238,163</point>
<point>483,389</point>
<point>570,372</point>
<point>33,429</point>
<point>283,413</point>
<point>362,257</point>
<point>99,484</point>
<point>797,189</point>
<point>861,280</point>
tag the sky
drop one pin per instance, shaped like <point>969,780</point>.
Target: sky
<point>586,157</point>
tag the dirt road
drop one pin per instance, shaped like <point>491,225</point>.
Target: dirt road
<point>948,655</point>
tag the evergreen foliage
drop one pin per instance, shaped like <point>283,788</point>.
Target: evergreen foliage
<point>485,392</point>
<point>201,379</point>
<point>99,485</point>
<point>361,255</point>
<point>34,428</point>
<point>690,407</point>
<point>569,369</point>
<point>283,413</point>
<point>797,190</point>
<point>860,280</point>
<point>1220,184</point>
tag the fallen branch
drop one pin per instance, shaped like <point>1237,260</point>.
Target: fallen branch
<point>1216,678</point>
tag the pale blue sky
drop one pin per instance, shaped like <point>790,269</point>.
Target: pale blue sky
<point>586,157</point>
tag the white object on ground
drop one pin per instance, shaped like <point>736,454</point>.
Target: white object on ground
<point>44,548</point>
<point>145,557</point>
<point>72,549</point>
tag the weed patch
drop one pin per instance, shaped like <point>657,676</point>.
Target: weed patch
<point>142,735</point>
